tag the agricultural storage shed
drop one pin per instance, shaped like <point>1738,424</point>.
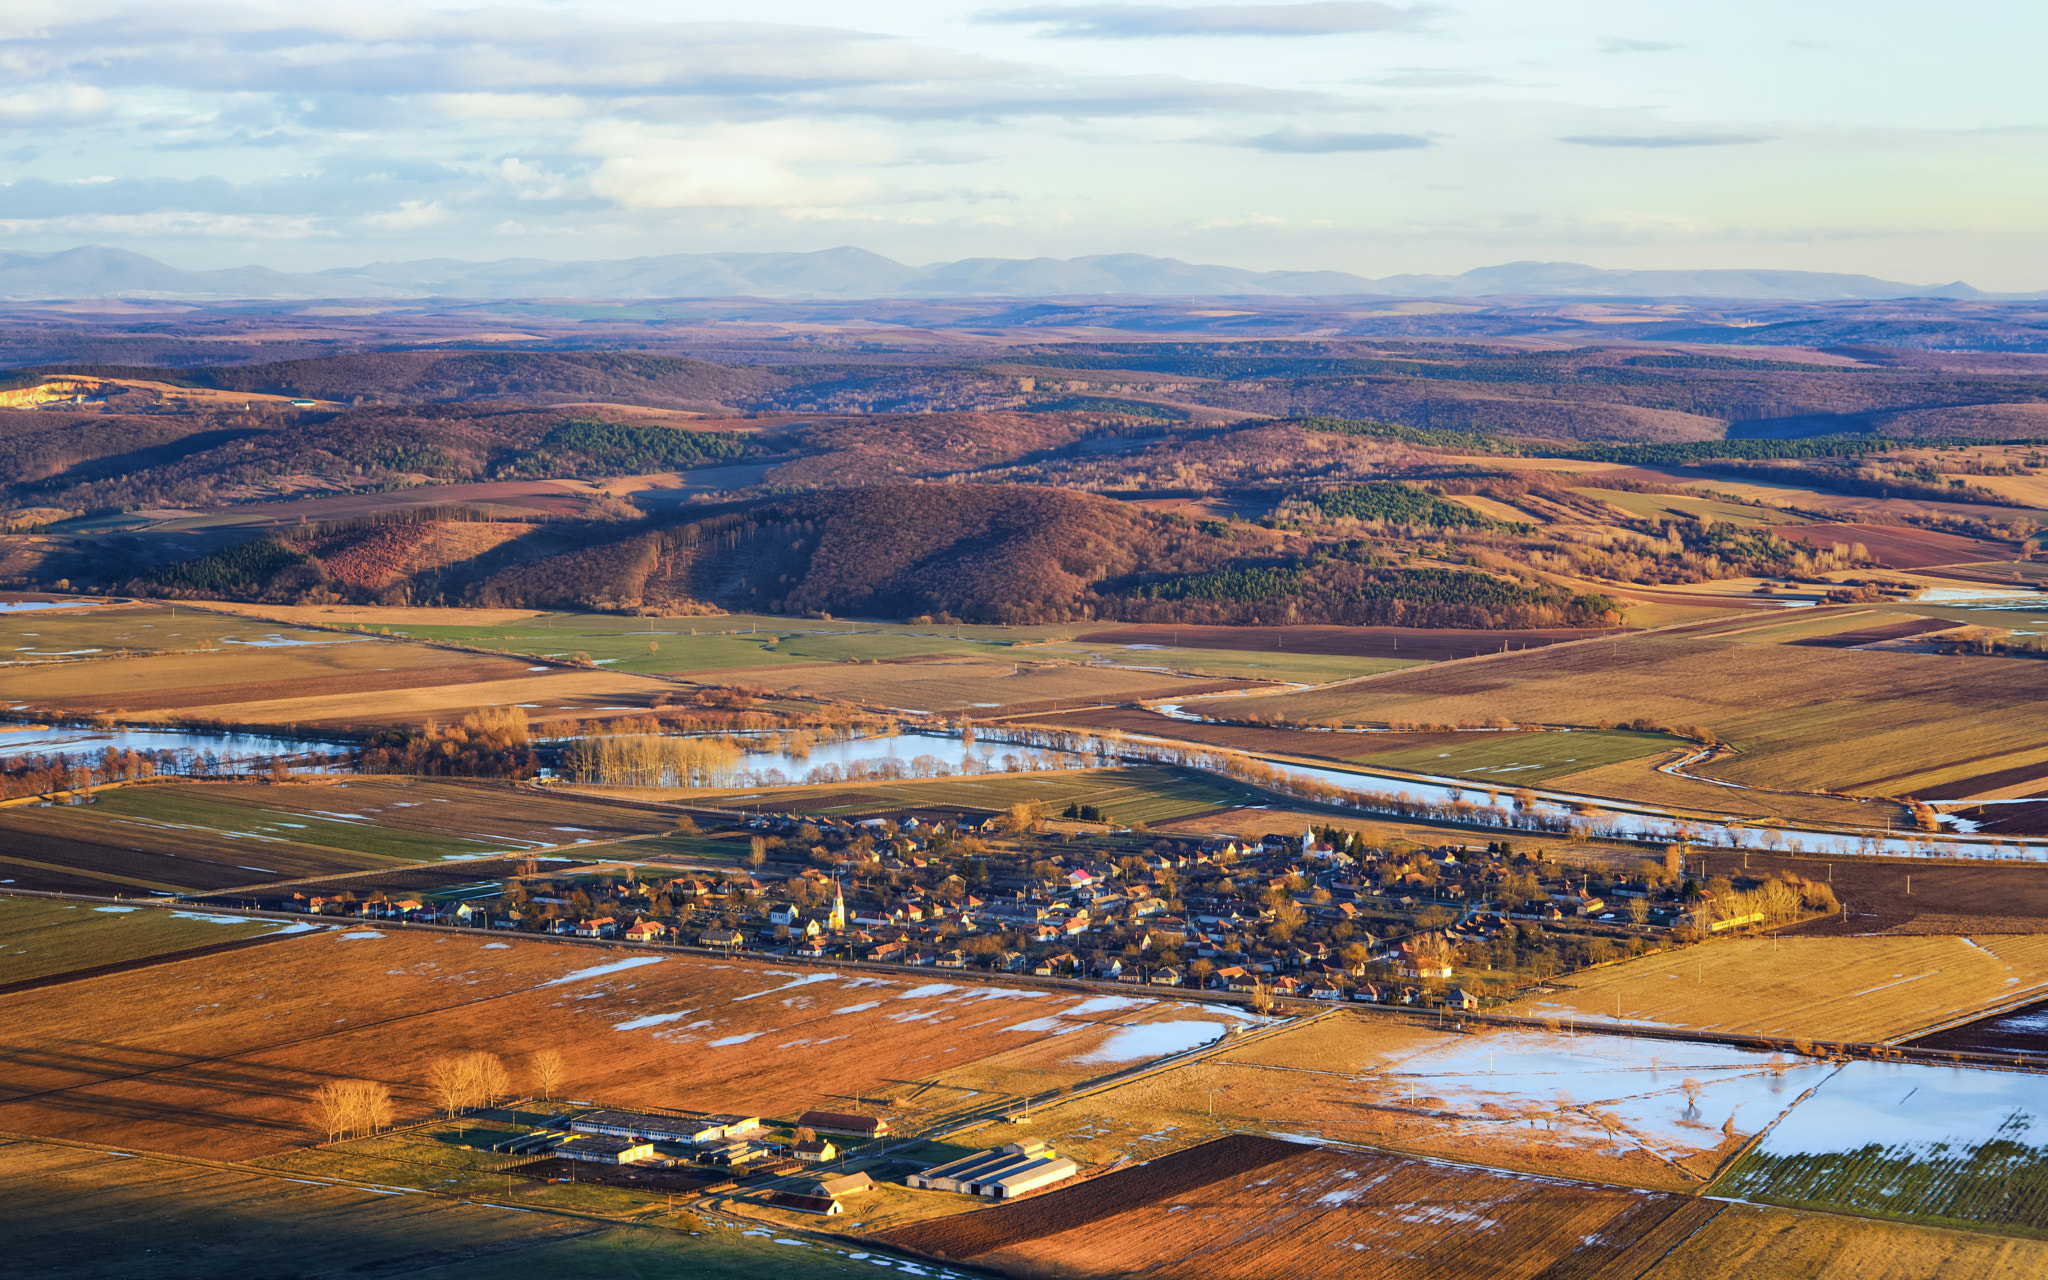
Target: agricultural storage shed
<point>825,1205</point>
<point>844,1125</point>
<point>1007,1171</point>
<point>692,1129</point>
<point>598,1149</point>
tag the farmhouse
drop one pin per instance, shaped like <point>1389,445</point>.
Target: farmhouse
<point>845,1126</point>
<point>1008,1171</point>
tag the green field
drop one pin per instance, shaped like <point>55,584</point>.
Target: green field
<point>1147,795</point>
<point>39,939</point>
<point>1521,759</point>
<point>681,646</point>
<point>290,816</point>
<point>111,629</point>
<point>1228,664</point>
<point>2002,1183</point>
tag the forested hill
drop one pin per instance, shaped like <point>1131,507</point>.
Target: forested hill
<point>979,553</point>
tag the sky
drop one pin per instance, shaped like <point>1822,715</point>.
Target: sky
<point>1902,140</point>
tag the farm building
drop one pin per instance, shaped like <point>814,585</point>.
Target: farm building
<point>825,1206</point>
<point>599,1149</point>
<point>846,1184</point>
<point>1007,1171</point>
<point>843,1125</point>
<point>815,1150</point>
<point>695,1130</point>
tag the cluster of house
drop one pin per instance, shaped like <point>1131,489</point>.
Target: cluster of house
<point>1184,914</point>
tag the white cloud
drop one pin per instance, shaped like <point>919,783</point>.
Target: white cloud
<point>53,106</point>
<point>410,215</point>
<point>785,164</point>
<point>1142,21</point>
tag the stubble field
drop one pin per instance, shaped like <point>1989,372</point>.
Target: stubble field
<point>1801,718</point>
<point>1851,989</point>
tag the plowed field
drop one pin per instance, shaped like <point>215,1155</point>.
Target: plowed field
<point>1250,1206</point>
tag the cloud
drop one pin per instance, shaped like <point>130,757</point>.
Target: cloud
<point>1429,78</point>
<point>410,215</point>
<point>1145,21</point>
<point>780,165</point>
<point>1615,44</point>
<point>53,106</point>
<point>1655,141</point>
<point>1308,142</point>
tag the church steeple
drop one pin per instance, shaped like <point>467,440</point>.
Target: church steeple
<point>838,917</point>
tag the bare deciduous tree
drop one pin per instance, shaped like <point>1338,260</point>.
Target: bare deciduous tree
<point>547,1072</point>
<point>349,1108</point>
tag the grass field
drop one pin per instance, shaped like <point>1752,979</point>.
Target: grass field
<point>1858,989</point>
<point>140,628</point>
<point>1801,718</point>
<point>1521,759</point>
<point>41,939</point>
<point>1146,795</point>
<point>180,837</point>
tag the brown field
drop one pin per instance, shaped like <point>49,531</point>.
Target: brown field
<point>554,497</point>
<point>382,555</point>
<point>1898,547</point>
<point>1801,718</point>
<point>194,1055</point>
<point>1248,1206</point>
<point>968,684</point>
<point>1750,1241</point>
<point>320,684</point>
<point>1351,642</point>
<point>1854,989</point>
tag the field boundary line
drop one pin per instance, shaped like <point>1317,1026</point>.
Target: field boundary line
<point>1736,1157</point>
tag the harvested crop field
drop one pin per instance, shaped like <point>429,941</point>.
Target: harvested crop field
<point>196,1055</point>
<point>1837,989</point>
<point>1410,643</point>
<point>1801,718</point>
<point>1251,1206</point>
<point>1898,547</point>
<point>1763,1243</point>
<point>944,683</point>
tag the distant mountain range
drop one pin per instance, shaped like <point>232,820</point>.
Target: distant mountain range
<point>95,271</point>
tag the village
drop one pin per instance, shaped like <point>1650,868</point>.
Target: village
<point>1317,914</point>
